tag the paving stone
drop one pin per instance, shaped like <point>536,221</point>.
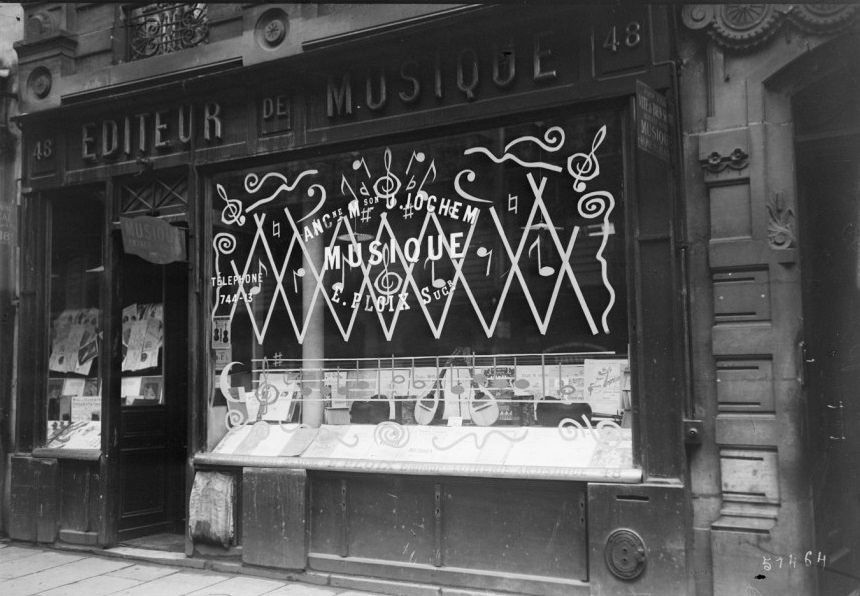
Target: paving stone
<point>46,579</point>
<point>240,586</point>
<point>302,590</point>
<point>101,585</point>
<point>175,584</point>
<point>8,553</point>
<point>144,573</point>
<point>28,565</point>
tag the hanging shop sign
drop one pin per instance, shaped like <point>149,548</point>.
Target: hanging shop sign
<point>7,224</point>
<point>153,239</point>
<point>652,122</point>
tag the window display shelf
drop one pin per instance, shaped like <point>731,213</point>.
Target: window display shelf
<point>567,452</point>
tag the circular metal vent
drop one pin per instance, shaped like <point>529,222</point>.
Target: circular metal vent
<point>625,554</point>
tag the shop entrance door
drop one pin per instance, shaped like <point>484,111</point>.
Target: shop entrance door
<point>829,196</point>
<point>153,418</point>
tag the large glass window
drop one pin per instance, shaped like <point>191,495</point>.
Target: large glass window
<point>73,385</point>
<point>447,285</point>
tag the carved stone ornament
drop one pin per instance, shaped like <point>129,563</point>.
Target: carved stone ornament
<point>39,82</point>
<point>745,26</point>
<point>823,18</point>
<point>715,163</point>
<point>780,225</point>
<point>40,25</point>
<point>272,28</point>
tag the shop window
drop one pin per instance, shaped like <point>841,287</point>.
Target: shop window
<point>165,27</point>
<point>455,299</point>
<point>75,341</point>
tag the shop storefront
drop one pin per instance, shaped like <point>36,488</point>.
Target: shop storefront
<point>404,302</point>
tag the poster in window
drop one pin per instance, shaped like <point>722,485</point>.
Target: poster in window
<point>602,384</point>
<point>86,408</point>
<point>150,389</point>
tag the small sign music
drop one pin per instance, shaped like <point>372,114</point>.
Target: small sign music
<point>652,121</point>
<point>7,224</point>
<point>153,239</point>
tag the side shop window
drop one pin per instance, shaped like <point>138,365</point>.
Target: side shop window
<point>471,283</point>
<point>73,386</point>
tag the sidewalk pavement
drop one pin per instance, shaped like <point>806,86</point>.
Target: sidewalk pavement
<point>29,570</point>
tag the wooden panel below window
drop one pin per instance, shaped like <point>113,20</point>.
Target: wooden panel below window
<point>274,506</point>
<point>534,529</point>
<point>79,495</point>
<point>34,502</point>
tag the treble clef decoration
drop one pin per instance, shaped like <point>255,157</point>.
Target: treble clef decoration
<point>232,212</point>
<point>386,186</point>
<point>584,166</point>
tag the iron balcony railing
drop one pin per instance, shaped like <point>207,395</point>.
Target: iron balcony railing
<point>165,27</point>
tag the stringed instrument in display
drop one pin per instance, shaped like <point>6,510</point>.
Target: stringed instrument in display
<point>426,406</point>
<point>483,407</point>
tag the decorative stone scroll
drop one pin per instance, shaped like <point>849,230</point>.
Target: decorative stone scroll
<point>746,26</point>
<point>780,225</point>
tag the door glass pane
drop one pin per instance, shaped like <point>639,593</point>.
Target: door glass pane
<point>142,332</point>
<point>73,387</point>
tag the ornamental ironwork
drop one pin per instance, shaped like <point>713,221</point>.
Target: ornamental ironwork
<point>165,27</point>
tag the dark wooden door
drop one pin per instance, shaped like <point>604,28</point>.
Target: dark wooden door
<point>153,426</point>
<point>829,184</point>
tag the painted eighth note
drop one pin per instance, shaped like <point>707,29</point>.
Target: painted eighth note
<point>300,272</point>
<point>544,270</point>
<point>257,288</point>
<point>486,253</point>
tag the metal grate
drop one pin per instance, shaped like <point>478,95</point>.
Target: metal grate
<point>165,27</point>
<point>154,197</point>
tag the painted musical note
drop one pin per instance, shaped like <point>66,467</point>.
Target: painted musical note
<point>387,185</point>
<point>276,229</point>
<point>513,203</point>
<point>300,272</point>
<point>344,184</point>
<point>364,190</point>
<point>486,253</point>
<point>416,156</point>
<point>545,271</point>
<point>586,165</point>
<point>259,287</point>
<point>356,165</point>
<point>338,285</point>
<point>436,283</point>
<point>430,170</point>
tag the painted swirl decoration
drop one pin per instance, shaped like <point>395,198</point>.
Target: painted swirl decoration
<point>391,434</point>
<point>224,243</point>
